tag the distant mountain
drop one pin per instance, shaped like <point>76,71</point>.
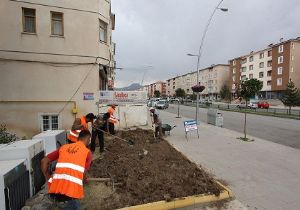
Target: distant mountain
<point>133,86</point>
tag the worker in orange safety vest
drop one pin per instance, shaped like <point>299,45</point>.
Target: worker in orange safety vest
<point>112,119</point>
<point>65,185</point>
<point>79,125</point>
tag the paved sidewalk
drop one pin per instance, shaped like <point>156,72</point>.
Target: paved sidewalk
<point>262,174</point>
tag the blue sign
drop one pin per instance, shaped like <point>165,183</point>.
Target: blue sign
<point>88,96</point>
<point>190,125</point>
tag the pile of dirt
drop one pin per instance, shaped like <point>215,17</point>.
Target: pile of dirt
<point>148,172</point>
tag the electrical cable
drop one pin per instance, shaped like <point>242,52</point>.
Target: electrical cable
<point>76,91</point>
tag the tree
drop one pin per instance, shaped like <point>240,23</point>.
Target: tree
<point>193,97</point>
<point>291,96</point>
<point>249,88</point>
<point>157,93</point>
<point>225,92</point>
<point>5,136</point>
<point>180,93</point>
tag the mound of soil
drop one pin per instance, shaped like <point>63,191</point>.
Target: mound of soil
<point>148,172</point>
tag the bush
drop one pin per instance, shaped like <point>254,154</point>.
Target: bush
<point>5,136</point>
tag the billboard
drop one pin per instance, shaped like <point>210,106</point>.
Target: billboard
<point>123,97</point>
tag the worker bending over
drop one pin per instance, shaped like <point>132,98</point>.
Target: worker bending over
<point>100,125</point>
<point>156,121</point>
<point>79,125</point>
<point>112,119</point>
<point>65,185</point>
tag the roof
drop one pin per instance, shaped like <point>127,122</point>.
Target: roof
<point>270,46</point>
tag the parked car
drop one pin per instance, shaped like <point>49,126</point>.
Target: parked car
<point>250,105</point>
<point>162,104</point>
<point>253,105</point>
<point>263,105</point>
<point>241,105</point>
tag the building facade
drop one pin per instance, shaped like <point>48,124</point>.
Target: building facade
<point>55,56</point>
<point>274,66</point>
<point>213,78</point>
<point>159,86</point>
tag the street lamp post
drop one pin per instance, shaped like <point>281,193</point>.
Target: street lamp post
<point>200,50</point>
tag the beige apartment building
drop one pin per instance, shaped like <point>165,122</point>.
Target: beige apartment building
<point>55,56</point>
<point>160,86</point>
<point>274,66</point>
<point>213,78</point>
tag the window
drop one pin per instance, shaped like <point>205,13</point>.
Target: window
<point>233,62</point>
<point>279,81</point>
<point>293,58</point>
<point>250,76</point>
<point>250,58</point>
<point>261,65</point>
<point>49,122</point>
<point>251,67</point>
<point>293,45</point>
<point>233,71</point>
<point>244,60</point>
<point>261,55</point>
<point>292,69</point>
<point>280,59</point>
<point>269,73</point>
<point>57,24</point>
<point>243,77</point>
<point>261,74</point>
<point>102,31</point>
<point>269,83</point>
<point>233,78</point>
<point>29,20</point>
<point>244,69</point>
<point>279,71</point>
<point>269,63</point>
<point>280,49</point>
<point>269,53</point>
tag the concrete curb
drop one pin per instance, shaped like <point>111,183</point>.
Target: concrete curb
<point>226,193</point>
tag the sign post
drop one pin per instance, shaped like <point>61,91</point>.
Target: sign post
<point>190,125</point>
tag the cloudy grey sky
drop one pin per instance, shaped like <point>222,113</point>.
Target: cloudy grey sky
<point>160,33</point>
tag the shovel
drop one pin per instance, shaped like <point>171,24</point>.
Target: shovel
<point>129,141</point>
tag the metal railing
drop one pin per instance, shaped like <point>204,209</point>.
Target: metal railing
<point>278,112</point>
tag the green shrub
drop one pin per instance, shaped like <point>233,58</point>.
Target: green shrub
<point>5,136</point>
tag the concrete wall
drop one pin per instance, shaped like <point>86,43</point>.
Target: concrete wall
<point>130,115</point>
<point>295,64</point>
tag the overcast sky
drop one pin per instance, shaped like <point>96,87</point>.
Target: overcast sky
<point>159,33</point>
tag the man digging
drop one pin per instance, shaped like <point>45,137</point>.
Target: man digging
<point>156,121</point>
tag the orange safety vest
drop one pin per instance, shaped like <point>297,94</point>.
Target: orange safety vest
<point>112,118</point>
<point>73,136</point>
<point>67,178</point>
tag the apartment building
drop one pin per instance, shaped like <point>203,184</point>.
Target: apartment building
<point>160,86</point>
<point>213,78</point>
<point>55,56</point>
<point>274,66</point>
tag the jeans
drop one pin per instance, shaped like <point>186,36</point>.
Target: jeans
<point>158,130</point>
<point>73,204</point>
<point>100,135</point>
<point>63,202</point>
<point>111,127</point>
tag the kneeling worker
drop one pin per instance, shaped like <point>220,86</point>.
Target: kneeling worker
<point>66,183</point>
<point>79,125</point>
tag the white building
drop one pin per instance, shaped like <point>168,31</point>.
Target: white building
<point>54,58</point>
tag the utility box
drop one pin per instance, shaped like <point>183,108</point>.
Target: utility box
<point>215,117</point>
<point>33,152</point>
<point>53,139</point>
<point>14,184</point>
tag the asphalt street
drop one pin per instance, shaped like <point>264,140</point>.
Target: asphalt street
<point>278,130</point>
